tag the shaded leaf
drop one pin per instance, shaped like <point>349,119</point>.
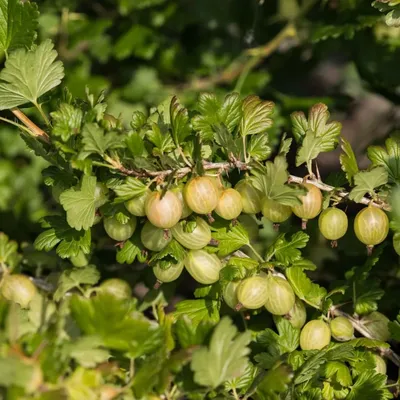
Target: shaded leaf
<point>224,359</point>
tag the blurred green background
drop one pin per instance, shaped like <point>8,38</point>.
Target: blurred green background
<point>142,51</point>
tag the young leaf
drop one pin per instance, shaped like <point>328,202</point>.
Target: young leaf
<point>334,352</point>
<point>112,320</point>
<point>311,293</point>
<point>258,148</point>
<point>244,381</point>
<point>18,22</point>
<point>275,382</point>
<point>67,121</point>
<point>70,241</point>
<point>80,204</point>
<point>286,252</point>
<point>213,113</point>
<point>286,341</point>
<point>179,121</point>
<point>230,239</point>
<point>309,150</point>
<point>161,139</point>
<point>338,371</point>
<point>130,188</point>
<point>388,158</point>
<point>73,278</point>
<point>315,134</point>
<point>8,251</point>
<point>87,351</point>
<point>192,334</point>
<point>348,161</point>
<point>255,118</point>
<point>272,181</point>
<point>172,253</point>
<point>95,140</point>
<point>28,75</point>
<point>226,357</point>
<point>200,310</point>
<point>369,385</point>
<point>131,249</point>
<point>16,372</point>
<point>366,181</point>
<point>224,138</point>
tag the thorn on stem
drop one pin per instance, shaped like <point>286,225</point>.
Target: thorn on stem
<point>334,244</point>
<point>276,227</point>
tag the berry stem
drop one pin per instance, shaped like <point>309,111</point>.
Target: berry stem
<point>238,306</point>
<point>276,227</point>
<point>304,224</point>
<point>157,285</point>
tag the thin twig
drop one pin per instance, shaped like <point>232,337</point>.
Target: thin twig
<point>343,194</point>
<point>230,165</point>
<point>359,327</point>
<point>249,59</point>
<point>35,130</point>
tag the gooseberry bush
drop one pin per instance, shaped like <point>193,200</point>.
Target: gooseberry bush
<point>198,199</point>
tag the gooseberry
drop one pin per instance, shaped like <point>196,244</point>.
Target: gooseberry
<point>380,363</point>
<point>201,195</point>
<point>170,274</point>
<point>252,293</point>
<point>297,316</point>
<point>19,289</point>
<point>153,238</point>
<point>315,335</point>
<point>275,211</point>
<point>186,211</point>
<point>195,240</point>
<point>342,329</point>
<point>377,326</point>
<point>118,231</point>
<point>202,266</point>
<point>311,204</point>
<point>229,204</point>
<point>163,212</point>
<point>230,294</point>
<point>117,287</point>
<point>136,206</point>
<point>251,197</point>
<point>371,226</point>
<point>280,295</point>
<point>333,224</point>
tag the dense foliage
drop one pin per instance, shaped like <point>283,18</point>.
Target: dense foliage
<point>193,251</point>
